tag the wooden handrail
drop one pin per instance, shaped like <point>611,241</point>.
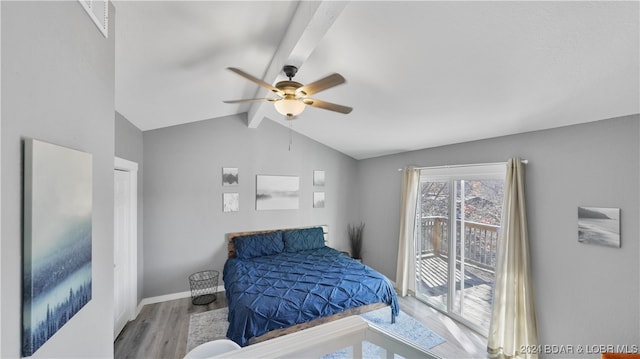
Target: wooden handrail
<point>481,240</point>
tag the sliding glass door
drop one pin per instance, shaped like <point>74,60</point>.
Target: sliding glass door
<point>459,212</point>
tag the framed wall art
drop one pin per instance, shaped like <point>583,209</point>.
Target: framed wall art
<point>318,178</point>
<point>57,239</point>
<point>277,192</point>
<point>318,199</point>
<point>599,226</point>
<point>229,176</point>
<point>230,202</point>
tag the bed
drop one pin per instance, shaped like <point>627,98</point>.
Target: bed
<point>280,281</point>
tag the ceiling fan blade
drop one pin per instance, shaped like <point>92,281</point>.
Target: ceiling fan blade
<point>255,80</point>
<point>252,100</point>
<point>327,105</point>
<point>320,85</point>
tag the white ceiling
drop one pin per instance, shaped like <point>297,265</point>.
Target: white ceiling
<point>419,74</point>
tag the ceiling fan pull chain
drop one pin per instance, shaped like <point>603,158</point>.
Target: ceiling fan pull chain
<point>290,133</point>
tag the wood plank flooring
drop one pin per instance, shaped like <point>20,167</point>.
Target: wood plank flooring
<point>160,331</point>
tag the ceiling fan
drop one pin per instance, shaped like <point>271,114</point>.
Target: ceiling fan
<point>293,96</point>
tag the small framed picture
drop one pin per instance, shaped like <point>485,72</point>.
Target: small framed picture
<point>229,176</point>
<point>318,178</point>
<point>318,199</point>
<point>599,226</point>
<point>230,202</point>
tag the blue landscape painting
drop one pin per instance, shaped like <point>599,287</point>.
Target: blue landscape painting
<point>57,239</point>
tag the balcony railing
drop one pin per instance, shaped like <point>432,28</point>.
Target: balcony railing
<point>349,332</point>
<point>480,240</point>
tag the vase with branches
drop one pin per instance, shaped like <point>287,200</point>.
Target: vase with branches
<point>355,239</point>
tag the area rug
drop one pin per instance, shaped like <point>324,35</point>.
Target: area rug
<point>405,326</point>
<point>207,326</point>
<point>211,325</point>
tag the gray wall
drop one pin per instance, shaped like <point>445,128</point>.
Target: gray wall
<point>57,86</point>
<point>184,226</point>
<point>585,294</point>
<point>128,145</point>
<point>128,140</point>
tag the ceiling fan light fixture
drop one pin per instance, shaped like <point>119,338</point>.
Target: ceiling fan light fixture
<point>292,96</point>
<point>289,107</point>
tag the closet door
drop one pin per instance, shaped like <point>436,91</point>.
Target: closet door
<point>122,230</point>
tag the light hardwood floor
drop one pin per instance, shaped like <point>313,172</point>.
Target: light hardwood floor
<point>160,330</point>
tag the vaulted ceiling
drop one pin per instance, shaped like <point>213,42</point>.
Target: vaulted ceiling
<point>419,74</point>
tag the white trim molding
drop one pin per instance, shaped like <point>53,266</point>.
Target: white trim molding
<point>132,167</point>
<point>168,297</point>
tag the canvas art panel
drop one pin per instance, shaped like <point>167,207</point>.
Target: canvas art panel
<point>277,192</point>
<point>599,226</point>
<point>229,176</point>
<point>57,239</point>
<point>318,178</point>
<point>318,199</point>
<point>230,202</point>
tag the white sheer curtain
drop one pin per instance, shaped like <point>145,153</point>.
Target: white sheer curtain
<point>513,319</point>
<point>406,251</point>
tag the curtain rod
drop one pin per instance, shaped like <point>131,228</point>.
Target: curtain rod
<point>469,165</point>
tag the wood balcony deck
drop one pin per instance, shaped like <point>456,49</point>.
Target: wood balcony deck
<point>478,286</point>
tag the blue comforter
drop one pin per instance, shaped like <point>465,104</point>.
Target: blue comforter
<point>281,290</point>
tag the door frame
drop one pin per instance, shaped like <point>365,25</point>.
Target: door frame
<point>451,174</point>
<point>121,164</point>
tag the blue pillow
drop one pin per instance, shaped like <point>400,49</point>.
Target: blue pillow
<point>306,238</point>
<point>258,245</point>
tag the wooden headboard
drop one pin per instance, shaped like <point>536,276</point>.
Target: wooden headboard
<point>231,236</point>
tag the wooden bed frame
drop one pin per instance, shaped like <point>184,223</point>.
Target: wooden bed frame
<point>280,332</point>
<point>292,329</point>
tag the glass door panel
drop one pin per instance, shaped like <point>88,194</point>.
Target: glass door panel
<point>480,225</point>
<point>459,221</point>
<point>432,281</point>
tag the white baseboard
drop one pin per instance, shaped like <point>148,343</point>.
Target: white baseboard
<point>168,297</point>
